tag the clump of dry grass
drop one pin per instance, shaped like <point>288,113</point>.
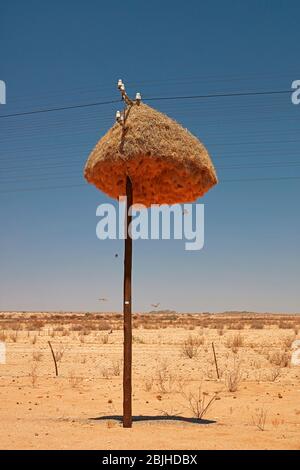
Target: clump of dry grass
<point>284,325</point>
<point>274,374</point>
<point>33,374</point>
<point>106,372</point>
<point>37,356</point>
<point>259,418</point>
<point>288,341</point>
<point>138,340</point>
<point>165,379</point>
<point>148,383</point>
<point>257,325</point>
<point>3,336</point>
<point>81,338</point>
<point>103,325</point>
<point>234,342</point>
<point>279,358</point>
<point>33,339</point>
<point>191,346</point>
<point>74,380</point>
<point>59,353</point>
<point>233,378</point>
<point>104,339</point>
<point>116,368</point>
<point>236,326</point>
<point>14,336</point>
<point>198,403</point>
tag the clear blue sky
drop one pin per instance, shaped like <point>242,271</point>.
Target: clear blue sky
<point>62,53</point>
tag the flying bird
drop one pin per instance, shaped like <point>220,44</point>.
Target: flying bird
<point>102,299</point>
<point>155,305</point>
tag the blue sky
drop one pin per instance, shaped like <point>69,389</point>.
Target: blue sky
<point>64,53</point>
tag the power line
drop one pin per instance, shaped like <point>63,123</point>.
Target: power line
<point>235,180</point>
<point>157,98</point>
<point>62,108</point>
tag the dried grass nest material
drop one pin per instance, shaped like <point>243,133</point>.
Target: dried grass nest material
<point>166,163</point>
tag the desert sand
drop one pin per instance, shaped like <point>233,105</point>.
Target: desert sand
<point>255,403</point>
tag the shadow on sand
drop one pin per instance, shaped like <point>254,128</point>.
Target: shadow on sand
<point>140,418</point>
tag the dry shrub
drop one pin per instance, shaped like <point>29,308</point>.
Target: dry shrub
<point>81,338</point>
<point>191,345</point>
<point>103,325</point>
<point>259,418</point>
<point>288,341</point>
<point>220,331</point>
<point>37,356</point>
<point>106,372</point>
<point>284,325</point>
<point>148,383</point>
<point>104,339</point>
<point>14,336</point>
<point>198,403</point>
<point>3,336</point>
<point>279,358</point>
<point>116,368</point>
<point>59,353</point>
<point>33,340</point>
<point>236,326</point>
<point>234,342</point>
<point>257,325</point>
<point>138,340</point>
<point>274,374</point>
<point>74,380</point>
<point>233,378</point>
<point>33,374</point>
<point>165,379</point>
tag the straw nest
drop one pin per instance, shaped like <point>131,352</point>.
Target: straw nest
<point>165,162</point>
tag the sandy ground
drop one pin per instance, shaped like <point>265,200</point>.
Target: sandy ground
<point>256,401</point>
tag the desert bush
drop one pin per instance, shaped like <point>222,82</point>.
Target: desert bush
<point>138,340</point>
<point>74,380</point>
<point>274,374</point>
<point>59,353</point>
<point>284,325</point>
<point>33,339</point>
<point>259,418</point>
<point>257,325</point>
<point>3,336</point>
<point>33,376</point>
<point>234,342</point>
<point>279,358</point>
<point>105,372</point>
<point>165,379</point>
<point>14,336</point>
<point>104,339</point>
<point>198,403</point>
<point>191,345</point>
<point>148,383</point>
<point>116,368</point>
<point>103,325</point>
<point>37,356</point>
<point>236,326</point>
<point>233,378</point>
<point>288,341</point>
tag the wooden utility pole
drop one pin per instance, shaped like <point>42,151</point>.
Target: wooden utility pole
<point>127,364</point>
